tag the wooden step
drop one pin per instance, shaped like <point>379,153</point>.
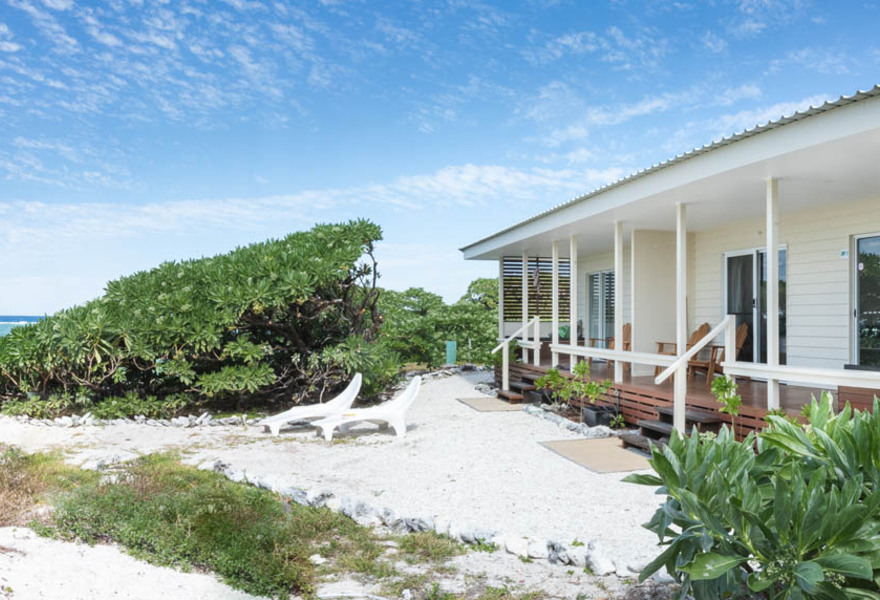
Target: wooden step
<point>691,415</point>
<point>660,428</point>
<point>511,396</point>
<point>522,386</point>
<point>635,440</point>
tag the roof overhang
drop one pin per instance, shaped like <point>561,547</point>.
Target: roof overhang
<point>825,155</point>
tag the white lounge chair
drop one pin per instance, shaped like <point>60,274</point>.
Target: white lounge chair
<point>392,413</point>
<point>334,407</point>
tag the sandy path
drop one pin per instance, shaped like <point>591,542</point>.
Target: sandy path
<point>477,470</point>
<point>32,567</point>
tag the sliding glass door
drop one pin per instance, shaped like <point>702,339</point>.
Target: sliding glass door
<point>746,298</point>
<point>601,309</point>
<point>867,301</point>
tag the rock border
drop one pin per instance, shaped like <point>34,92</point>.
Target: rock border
<point>584,555</point>
<point>207,420</point>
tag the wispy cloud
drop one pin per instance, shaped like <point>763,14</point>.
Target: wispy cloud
<point>825,61</point>
<point>641,49</point>
<point>465,185</point>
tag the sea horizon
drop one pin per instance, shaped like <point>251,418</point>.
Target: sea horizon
<point>8,322</point>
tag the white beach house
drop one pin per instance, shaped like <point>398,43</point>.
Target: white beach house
<point>694,240</point>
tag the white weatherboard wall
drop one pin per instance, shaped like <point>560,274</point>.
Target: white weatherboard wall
<point>818,291</point>
<point>653,298</point>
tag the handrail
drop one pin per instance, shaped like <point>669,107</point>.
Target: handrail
<point>816,376</point>
<point>512,336</point>
<point>644,358</point>
<point>695,349</point>
<point>525,344</point>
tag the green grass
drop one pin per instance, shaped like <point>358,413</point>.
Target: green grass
<point>170,514</point>
<point>429,546</point>
<point>26,481</point>
<point>175,515</point>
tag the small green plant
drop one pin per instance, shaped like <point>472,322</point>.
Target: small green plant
<point>577,543</point>
<point>484,546</point>
<point>724,390</point>
<point>579,386</point>
<point>429,546</point>
<point>618,422</point>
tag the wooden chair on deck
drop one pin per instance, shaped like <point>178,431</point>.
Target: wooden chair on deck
<point>713,364</point>
<point>670,348</point>
<point>627,344</point>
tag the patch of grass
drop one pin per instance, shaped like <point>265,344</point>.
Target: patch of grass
<point>171,514</point>
<point>435,592</point>
<point>29,480</point>
<point>413,583</point>
<point>482,546</point>
<point>430,546</point>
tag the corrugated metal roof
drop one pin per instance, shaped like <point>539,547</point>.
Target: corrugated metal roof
<point>725,141</point>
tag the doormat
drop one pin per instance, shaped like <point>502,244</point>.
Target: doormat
<point>603,455</point>
<point>488,404</point>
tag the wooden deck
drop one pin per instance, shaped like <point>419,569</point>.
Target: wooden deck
<point>637,397</point>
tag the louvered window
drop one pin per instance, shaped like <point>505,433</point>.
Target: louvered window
<point>601,309</point>
<point>540,274</point>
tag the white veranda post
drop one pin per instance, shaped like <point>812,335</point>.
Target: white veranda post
<point>618,298</point>
<point>772,261</point>
<point>525,304</point>
<point>554,302</point>
<point>679,385</point>
<point>572,297</point>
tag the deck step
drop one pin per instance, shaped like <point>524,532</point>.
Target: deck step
<point>511,396</point>
<point>691,415</point>
<point>522,386</point>
<point>660,428</point>
<point>635,440</point>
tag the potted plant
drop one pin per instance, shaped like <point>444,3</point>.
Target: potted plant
<point>562,390</point>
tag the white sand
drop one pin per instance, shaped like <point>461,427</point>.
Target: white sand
<point>480,470</point>
<point>35,567</point>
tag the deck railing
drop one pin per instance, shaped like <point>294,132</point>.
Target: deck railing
<point>726,326</point>
<point>525,343</point>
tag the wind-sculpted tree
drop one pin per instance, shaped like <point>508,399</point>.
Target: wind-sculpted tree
<point>271,321</point>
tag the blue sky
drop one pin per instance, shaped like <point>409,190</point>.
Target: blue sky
<point>133,132</point>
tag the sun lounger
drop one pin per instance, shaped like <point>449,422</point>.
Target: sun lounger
<point>334,407</point>
<point>392,413</point>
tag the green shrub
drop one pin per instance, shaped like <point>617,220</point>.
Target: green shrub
<point>174,515</point>
<point>268,322</point>
<point>799,518</point>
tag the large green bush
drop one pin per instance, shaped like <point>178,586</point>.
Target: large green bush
<point>799,518</point>
<point>267,322</point>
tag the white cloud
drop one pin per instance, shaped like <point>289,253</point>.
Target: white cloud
<point>640,50</point>
<point>713,42</point>
<point>465,185</point>
<point>746,119</point>
<point>732,95</point>
<point>819,60</point>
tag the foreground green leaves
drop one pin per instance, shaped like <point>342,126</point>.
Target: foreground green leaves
<point>799,518</point>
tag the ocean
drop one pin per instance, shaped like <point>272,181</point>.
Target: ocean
<point>7,322</point>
